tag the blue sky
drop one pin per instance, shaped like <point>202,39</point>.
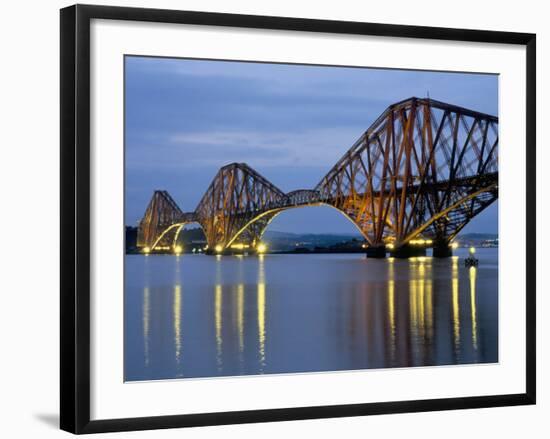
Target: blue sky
<point>187,118</point>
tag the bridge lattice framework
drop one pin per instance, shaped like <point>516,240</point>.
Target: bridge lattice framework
<point>423,169</point>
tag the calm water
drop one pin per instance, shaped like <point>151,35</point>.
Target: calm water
<point>203,316</point>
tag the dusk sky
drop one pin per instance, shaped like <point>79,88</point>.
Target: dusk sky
<point>187,118</point>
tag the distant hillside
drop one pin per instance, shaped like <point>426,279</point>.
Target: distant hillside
<point>277,240</point>
<point>276,234</point>
<point>190,235</point>
<point>283,241</point>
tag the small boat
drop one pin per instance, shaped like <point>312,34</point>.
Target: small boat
<point>471,261</point>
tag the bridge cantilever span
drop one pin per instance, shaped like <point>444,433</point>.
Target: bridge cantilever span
<point>424,168</point>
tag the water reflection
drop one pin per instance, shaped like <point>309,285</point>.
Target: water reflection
<point>218,313</point>
<point>421,309</point>
<point>429,306</point>
<point>176,311</point>
<point>325,312</point>
<point>261,311</point>
<point>240,315</point>
<point>145,312</point>
<point>456,304</point>
<point>472,274</point>
<point>413,310</point>
<point>391,307</point>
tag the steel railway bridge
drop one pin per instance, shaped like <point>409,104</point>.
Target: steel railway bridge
<point>419,173</point>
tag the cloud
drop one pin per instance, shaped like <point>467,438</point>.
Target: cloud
<point>309,148</point>
<point>376,86</point>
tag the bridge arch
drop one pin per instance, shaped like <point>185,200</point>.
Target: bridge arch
<point>474,202</point>
<point>272,214</point>
<point>456,216</point>
<point>168,238</point>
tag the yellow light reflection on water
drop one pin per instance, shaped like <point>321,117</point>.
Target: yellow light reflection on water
<point>413,298</point>
<point>176,311</point>
<point>473,273</point>
<point>177,320</point>
<point>240,315</point>
<point>218,304</point>
<point>455,304</point>
<point>391,307</point>
<point>261,311</point>
<point>420,300</point>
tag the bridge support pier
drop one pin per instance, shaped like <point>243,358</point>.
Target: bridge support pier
<point>442,250</point>
<point>376,252</point>
<point>408,251</point>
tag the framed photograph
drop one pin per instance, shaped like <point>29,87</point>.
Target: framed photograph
<point>267,218</point>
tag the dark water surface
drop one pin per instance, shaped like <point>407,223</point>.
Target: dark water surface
<point>204,316</point>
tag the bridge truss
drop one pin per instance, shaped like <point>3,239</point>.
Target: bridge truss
<point>424,168</point>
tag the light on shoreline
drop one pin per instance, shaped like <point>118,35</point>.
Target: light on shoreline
<point>239,246</point>
<point>218,248</point>
<point>261,248</point>
<point>420,241</point>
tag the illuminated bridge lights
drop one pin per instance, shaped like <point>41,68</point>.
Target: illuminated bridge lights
<point>239,246</point>
<point>421,242</point>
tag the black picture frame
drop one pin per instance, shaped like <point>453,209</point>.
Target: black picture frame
<point>75,217</point>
